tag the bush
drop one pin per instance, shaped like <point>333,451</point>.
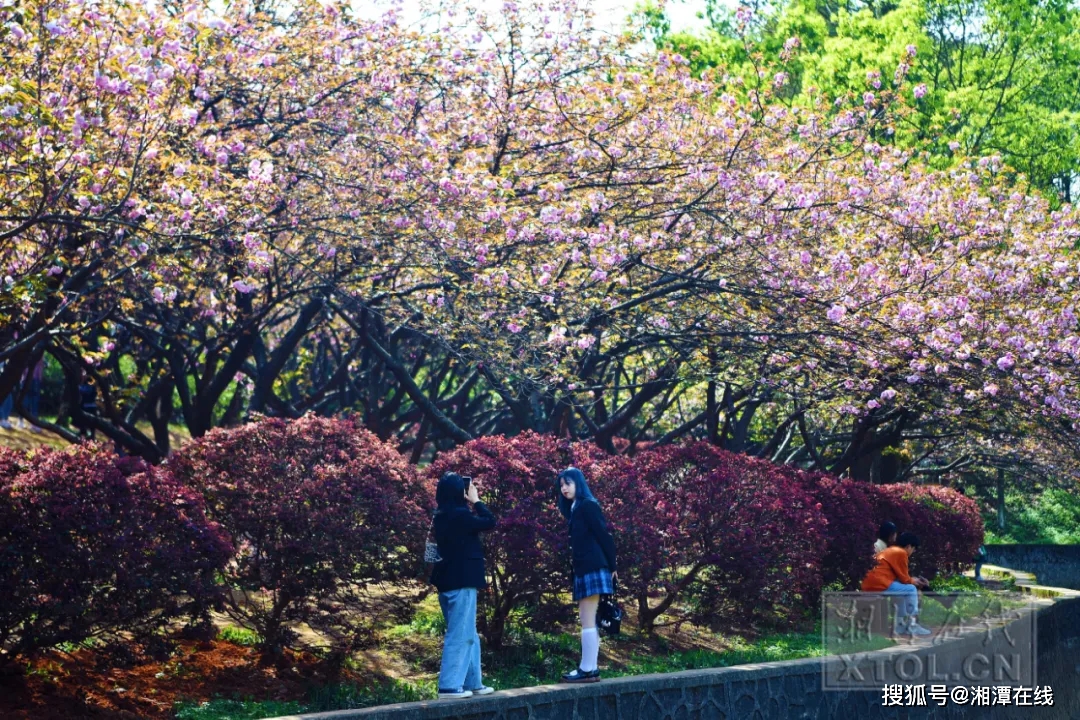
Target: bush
<point>947,522</point>
<point>1052,517</point>
<point>848,506</point>
<point>527,553</point>
<point>94,545</point>
<point>320,509</point>
<point>644,528</point>
<point>729,534</point>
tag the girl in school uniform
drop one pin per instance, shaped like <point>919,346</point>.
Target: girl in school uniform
<point>593,553</point>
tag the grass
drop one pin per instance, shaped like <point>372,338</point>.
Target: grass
<point>541,658</point>
<point>956,583</point>
<point>87,644</point>
<point>427,621</point>
<point>772,648</point>
<point>240,636</point>
<point>331,697</point>
<point>958,609</point>
<point>531,658</point>
<point>22,438</point>
<point>1008,581</point>
<point>236,709</point>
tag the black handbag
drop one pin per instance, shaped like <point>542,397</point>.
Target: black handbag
<point>609,615</point>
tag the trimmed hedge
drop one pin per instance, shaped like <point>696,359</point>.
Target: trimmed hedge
<point>527,552</point>
<point>296,521</point>
<point>320,509</point>
<point>948,524</point>
<point>95,545</point>
<point>722,534</point>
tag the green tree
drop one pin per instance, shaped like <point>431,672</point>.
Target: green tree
<point>984,76</point>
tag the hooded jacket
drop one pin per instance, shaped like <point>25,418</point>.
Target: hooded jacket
<point>457,533</point>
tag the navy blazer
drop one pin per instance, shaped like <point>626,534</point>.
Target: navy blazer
<point>591,544</point>
<point>457,532</point>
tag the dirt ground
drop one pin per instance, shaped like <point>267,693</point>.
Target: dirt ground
<point>20,436</point>
<point>90,684</point>
<point>80,685</point>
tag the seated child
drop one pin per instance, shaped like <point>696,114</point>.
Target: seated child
<point>886,537</point>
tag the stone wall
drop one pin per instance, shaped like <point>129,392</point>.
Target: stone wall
<point>771,691</point>
<point>1055,565</point>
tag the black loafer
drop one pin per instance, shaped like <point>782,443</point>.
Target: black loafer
<point>580,676</point>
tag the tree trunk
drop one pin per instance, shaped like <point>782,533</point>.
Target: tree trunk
<point>1001,499</point>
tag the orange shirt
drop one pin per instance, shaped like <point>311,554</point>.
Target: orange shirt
<point>892,564</point>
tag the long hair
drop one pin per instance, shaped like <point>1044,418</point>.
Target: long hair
<point>581,490</point>
<point>449,493</point>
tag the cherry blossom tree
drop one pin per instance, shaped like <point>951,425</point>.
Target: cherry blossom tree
<point>511,223</point>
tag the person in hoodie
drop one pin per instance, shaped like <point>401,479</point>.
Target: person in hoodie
<point>458,575</point>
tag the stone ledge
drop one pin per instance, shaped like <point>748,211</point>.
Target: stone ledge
<point>1053,565</point>
<point>780,690</point>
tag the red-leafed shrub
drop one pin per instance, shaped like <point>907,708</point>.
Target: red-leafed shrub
<point>848,506</point>
<point>646,534</point>
<point>319,509</point>
<point>92,545</point>
<point>948,524</point>
<point>12,462</point>
<point>959,516</point>
<point>527,554</point>
<point>729,535</point>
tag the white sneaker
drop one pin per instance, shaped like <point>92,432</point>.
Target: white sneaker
<point>455,694</point>
<point>917,629</point>
<point>482,690</point>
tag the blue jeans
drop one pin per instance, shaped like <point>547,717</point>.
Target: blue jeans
<point>461,647</point>
<point>5,407</point>
<point>907,599</point>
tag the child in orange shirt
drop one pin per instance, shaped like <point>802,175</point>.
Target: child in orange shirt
<point>890,577</point>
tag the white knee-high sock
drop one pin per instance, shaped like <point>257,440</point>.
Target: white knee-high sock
<point>590,649</point>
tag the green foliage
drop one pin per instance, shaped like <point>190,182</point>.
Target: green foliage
<point>1052,517</point>
<point>1000,76</point>
<point>427,620</point>
<point>240,636</point>
<point>349,697</point>
<point>236,709</point>
<point>87,644</point>
<point>1008,582</point>
<point>532,658</point>
<point>955,583</point>
<point>538,658</point>
<point>771,648</point>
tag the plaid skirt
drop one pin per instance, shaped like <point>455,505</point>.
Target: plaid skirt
<point>597,582</point>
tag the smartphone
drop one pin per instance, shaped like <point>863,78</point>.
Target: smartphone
<point>468,481</point>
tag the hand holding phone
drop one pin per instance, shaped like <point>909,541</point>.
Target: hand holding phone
<point>470,491</point>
